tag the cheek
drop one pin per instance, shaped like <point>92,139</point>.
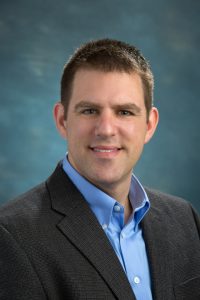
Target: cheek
<point>135,135</point>
<point>77,132</point>
<point>133,131</point>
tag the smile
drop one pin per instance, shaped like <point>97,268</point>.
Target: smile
<point>104,150</point>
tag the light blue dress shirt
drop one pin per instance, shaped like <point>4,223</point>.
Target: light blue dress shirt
<point>126,239</point>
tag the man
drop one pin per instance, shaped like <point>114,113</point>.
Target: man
<point>91,231</point>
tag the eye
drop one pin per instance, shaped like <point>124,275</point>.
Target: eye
<point>89,111</point>
<point>125,113</point>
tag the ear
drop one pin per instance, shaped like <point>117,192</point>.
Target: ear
<point>152,124</point>
<point>59,117</point>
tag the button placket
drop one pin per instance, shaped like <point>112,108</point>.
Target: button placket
<point>136,280</point>
<point>117,208</point>
<point>104,226</point>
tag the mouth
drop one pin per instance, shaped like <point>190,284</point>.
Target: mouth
<point>105,151</point>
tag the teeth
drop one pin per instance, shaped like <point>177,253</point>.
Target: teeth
<point>103,150</point>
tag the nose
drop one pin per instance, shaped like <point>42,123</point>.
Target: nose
<point>105,125</point>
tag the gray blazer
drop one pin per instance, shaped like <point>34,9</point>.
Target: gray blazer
<point>52,247</point>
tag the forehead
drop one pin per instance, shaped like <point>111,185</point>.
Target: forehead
<point>111,86</point>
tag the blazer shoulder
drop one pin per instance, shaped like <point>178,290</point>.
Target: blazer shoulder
<point>164,198</point>
<point>34,207</point>
<point>25,205</point>
<point>173,206</point>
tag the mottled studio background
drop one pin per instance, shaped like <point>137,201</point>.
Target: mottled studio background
<point>36,38</point>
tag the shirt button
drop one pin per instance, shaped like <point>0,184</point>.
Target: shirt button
<point>136,280</point>
<point>117,208</point>
<point>104,226</point>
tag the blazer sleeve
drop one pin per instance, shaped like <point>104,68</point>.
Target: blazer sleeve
<point>18,279</point>
<point>196,219</point>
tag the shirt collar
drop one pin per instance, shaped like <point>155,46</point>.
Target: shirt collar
<point>139,200</point>
<point>101,203</point>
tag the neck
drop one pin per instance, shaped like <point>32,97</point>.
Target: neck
<point>120,193</point>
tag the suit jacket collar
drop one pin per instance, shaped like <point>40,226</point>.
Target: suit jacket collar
<point>81,227</point>
<point>157,241</point>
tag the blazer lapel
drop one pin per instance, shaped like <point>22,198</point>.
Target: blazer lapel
<point>157,239</point>
<point>81,227</point>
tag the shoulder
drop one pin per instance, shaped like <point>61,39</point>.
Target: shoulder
<point>163,199</point>
<point>25,206</point>
<point>171,208</point>
<point>167,202</point>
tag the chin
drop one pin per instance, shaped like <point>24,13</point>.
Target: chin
<point>105,181</point>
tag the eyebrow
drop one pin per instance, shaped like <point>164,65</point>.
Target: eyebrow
<point>124,106</point>
<point>129,106</point>
<point>85,104</point>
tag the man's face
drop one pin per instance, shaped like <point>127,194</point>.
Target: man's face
<point>106,125</point>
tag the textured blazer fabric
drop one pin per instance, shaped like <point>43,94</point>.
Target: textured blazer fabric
<point>52,247</point>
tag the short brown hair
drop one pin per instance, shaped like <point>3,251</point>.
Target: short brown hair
<point>108,55</point>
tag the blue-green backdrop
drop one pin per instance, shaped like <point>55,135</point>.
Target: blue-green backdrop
<point>37,37</point>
